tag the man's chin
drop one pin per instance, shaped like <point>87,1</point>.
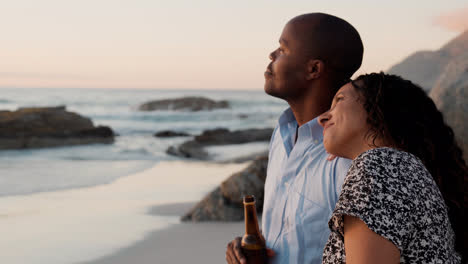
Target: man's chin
<point>272,92</point>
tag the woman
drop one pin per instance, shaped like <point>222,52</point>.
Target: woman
<point>404,190</point>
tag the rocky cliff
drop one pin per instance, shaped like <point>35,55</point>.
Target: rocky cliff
<point>444,75</point>
<point>450,94</point>
<point>425,67</point>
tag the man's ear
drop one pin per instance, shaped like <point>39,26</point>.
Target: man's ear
<point>315,69</point>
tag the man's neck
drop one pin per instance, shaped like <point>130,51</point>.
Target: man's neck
<point>311,105</point>
<point>304,114</point>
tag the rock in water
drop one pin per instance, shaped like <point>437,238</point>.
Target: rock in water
<point>223,136</point>
<point>184,104</point>
<point>219,136</point>
<point>39,127</point>
<point>169,133</point>
<point>225,202</point>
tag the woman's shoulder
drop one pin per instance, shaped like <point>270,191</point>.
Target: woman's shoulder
<point>392,192</point>
<point>388,155</point>
<point>387,163</point>
<point>388,172</point>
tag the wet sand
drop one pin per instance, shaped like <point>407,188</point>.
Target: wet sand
<point>179,243</point>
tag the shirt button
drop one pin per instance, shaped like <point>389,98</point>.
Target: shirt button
<point>315,141</point>
<point>286,184</point>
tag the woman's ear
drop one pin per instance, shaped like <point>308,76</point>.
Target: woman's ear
<point>315,69</point>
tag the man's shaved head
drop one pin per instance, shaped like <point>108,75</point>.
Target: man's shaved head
<point>317,54</point>
<point>332,40</point>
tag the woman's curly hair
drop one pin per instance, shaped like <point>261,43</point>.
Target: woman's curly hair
<point>404,116</point>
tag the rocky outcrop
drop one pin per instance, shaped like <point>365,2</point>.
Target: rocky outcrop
<point>220,136</point>
<point>425,67</point>
<point>169,133</point>
<point>225,202</point>
<point>189,149</point>
<point>444,74</point>
<point>223,136</point>
<point>184,104</point>
<point>39,127</point>
<point>450,94</point>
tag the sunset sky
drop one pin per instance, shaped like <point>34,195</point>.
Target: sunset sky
<point>188,44</point>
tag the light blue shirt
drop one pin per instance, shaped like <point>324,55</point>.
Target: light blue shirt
<point>301,190</point>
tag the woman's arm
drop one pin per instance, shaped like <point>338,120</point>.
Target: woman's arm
<point>362,245</point>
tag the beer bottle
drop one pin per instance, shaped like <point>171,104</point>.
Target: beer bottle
<point>253,244</point>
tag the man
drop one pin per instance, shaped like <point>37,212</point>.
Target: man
<point>317,54</point>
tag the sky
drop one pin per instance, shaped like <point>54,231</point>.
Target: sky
<point>190,44</point>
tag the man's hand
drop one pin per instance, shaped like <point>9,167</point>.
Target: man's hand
<point>234,253</point>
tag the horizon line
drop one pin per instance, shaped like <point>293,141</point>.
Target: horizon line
<point>137,88</point>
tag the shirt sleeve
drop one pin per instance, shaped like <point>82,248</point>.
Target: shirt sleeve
<point>341,169</point>
<point>374,192</point>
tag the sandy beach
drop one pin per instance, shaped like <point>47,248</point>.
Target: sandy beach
<point>179,243</point>
<point>133,216</point>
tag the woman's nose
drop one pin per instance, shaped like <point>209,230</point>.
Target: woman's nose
<point>323,118</point>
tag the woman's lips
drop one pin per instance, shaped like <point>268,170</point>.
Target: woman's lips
<point>327,126</point>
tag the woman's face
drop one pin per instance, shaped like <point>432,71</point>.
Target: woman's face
<point>345,124</point>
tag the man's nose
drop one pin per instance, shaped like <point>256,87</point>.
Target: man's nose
<point>272,55</point>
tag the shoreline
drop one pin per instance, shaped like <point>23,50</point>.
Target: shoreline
<point>88,223</point>
<point>171,209</point>
<point>183,242</point>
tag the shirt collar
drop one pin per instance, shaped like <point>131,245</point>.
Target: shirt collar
<point>311,130</point>
<point>287,117</point>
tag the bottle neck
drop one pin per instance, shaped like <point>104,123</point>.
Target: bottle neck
<point>251,221</point>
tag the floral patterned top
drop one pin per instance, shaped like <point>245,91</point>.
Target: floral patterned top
<point>394,194</point>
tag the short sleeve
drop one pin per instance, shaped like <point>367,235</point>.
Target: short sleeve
<point>375,192</point>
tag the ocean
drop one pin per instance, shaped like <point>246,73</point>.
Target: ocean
<point>77,203</point>
<point>135,147</point>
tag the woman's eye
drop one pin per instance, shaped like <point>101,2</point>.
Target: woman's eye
<point>339,99</point>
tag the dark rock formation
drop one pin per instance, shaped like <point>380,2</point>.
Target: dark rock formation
<point>225,202</point>
<point>220,136</point>
<point>425,67</point>
<point>39,127</point>
<point>183,104</point>
<point>249,181</point>
<point>189,149</point>
<point>223,136</point>
<point>168,133</point>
